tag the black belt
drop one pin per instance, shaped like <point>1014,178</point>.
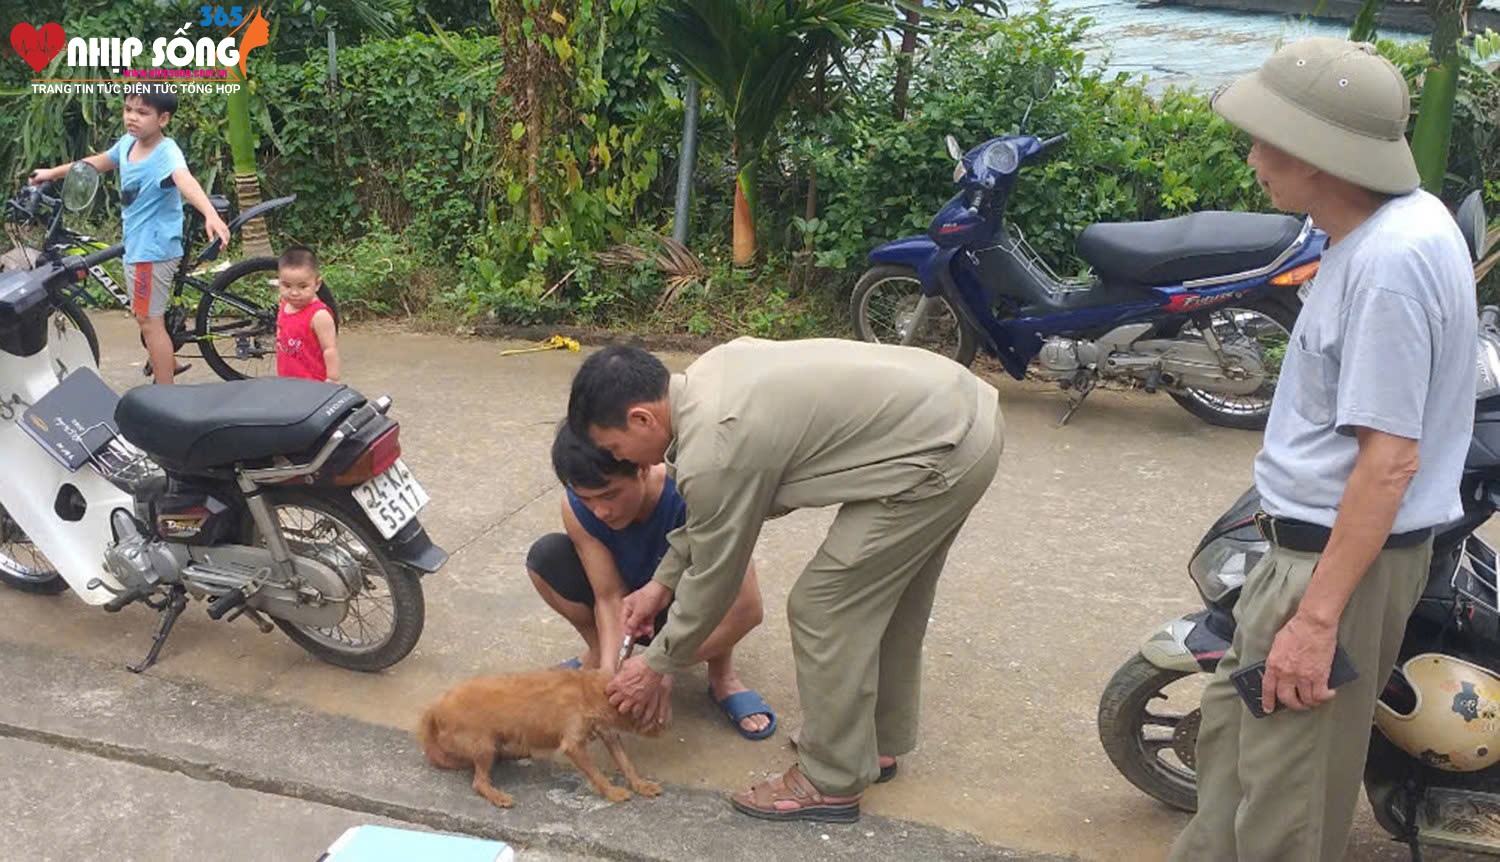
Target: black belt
<point>1313,538</point>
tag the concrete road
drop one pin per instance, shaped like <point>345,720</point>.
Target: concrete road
<point>103,763</point>
<point>1078,550</point>
<point>62,805</point>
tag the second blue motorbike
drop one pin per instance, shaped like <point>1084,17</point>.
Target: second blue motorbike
<point>1200,306</point>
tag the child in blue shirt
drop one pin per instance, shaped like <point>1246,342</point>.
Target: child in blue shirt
<point>154,180</point>
<point>616,518</point>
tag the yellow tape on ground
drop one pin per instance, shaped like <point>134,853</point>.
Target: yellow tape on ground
<point>556,342</point>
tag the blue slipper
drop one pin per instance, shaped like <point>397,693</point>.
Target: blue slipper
<point>571,664</point>
<point>741,705</point>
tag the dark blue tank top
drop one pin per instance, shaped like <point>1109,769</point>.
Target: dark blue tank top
<point>638,548</point>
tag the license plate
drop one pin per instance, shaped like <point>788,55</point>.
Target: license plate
<point>391,499</point>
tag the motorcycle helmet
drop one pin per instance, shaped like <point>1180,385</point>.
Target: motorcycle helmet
<point>1447,714</point>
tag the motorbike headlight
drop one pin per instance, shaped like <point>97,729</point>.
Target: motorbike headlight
<point>1002,158</point>
<point>1222,565</point>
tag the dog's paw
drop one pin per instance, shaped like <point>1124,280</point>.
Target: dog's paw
<point>616,794</point>
<point>647,788</point>
<point>499,799</point>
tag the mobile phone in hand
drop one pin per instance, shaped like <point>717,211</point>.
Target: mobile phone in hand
<point>1247,680</point>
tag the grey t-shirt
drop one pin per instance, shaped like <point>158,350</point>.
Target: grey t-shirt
<point>1386,340</point>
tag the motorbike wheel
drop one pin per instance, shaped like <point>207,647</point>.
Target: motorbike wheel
<point>385,618</point>
<point>22,566</point>
<point>79,319</point>
<point>1247,412</point>
<point>1386,768</point>
<point>884,302</point>
<point>239,343</point>
<point>1124,717</point>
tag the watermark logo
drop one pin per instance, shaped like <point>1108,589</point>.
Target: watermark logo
<point>36,46</point>
<point>192,53</point>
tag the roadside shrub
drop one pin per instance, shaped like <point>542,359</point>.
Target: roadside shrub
<point>404,137</point>
<point>380,274</point>
<point>1128,156</point>
<point>398,179</point>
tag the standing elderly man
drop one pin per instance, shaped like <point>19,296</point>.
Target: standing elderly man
<point>1362,454</point>
<point>905,441</point>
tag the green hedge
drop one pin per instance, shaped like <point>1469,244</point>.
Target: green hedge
<point>397,163</point>
<point>402,138</point>
<point>1128,156</point>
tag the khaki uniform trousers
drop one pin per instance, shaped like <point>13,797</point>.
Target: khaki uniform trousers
<point>858,617</point>
<point>1284,787</point>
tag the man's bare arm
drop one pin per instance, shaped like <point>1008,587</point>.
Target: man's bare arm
<point>1383,471</point>
<point>609,588</point>
<point>1302,653</point>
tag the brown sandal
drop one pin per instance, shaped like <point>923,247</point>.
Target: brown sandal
<point>790,796</point>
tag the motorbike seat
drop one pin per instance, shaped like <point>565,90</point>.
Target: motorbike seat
<point>1201,245</point>
<point>198,427</point>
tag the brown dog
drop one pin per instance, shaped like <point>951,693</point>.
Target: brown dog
<point>513,715</point>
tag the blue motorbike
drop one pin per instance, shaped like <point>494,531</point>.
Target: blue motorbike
<point>1200,306</point>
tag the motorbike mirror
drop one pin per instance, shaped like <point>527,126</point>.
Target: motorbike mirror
<point>1473,222</point>
<point>954,149</point>
<point>1043,80</point>
<point>80,186</point>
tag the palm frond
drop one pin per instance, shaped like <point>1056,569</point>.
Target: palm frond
<point>680,268</point>
<point>677,261</point>
<point>753,55</point>
<point>952,10</point>
<point>706,39</point>
<point>622,255</point>
<point>381,17</point>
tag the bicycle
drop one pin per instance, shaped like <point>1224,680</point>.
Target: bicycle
<point>236,309</point>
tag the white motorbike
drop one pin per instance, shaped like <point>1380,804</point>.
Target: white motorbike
<point>277,500</point>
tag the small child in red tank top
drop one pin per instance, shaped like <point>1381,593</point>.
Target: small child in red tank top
<point>306,335</point>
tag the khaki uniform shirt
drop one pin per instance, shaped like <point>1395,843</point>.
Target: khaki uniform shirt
<point>764,427</point>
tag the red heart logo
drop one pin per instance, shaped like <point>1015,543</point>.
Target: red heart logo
<point>37,47</point>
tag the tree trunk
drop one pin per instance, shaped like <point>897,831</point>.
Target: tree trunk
<point>744,210</point>
<point>254,238</point>
<point>812,169</point>
<point>1434,126</point>
<point>811,211</point>
<point>535,120</point>
<point>904,63</point>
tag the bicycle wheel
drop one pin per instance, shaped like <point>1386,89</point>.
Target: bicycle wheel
<point>236,324</point>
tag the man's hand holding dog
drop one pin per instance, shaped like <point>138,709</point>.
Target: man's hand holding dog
<point>641,607</point>
<point>641,692</point>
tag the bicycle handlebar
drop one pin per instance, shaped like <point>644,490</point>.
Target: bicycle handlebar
<point>75,263</point>
<point>102,255</point>
<point>209,252</point>
<point>26,200</point>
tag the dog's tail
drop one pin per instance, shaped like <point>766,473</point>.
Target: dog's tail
<point>427,732</point>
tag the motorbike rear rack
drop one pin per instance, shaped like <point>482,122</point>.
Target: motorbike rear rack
<point>119,461</point>
<point>1477,577</point>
